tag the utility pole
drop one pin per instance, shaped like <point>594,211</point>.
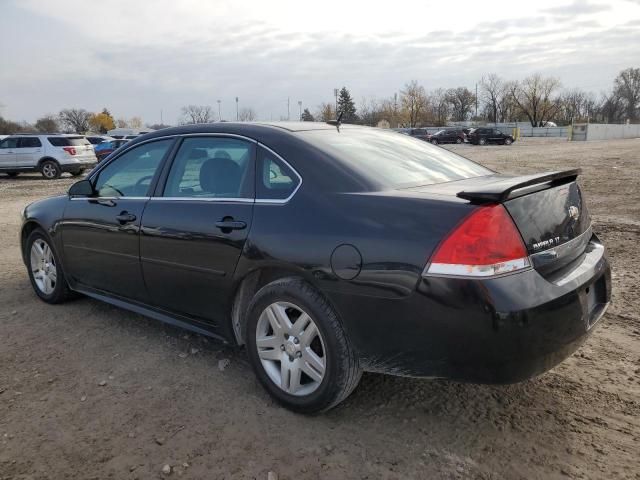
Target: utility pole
<point>161,122</point>
<point>335,92</point>
<point>237,113</point>
<point>288,110</point>
<point>476,100</point>
<point>300,105</point>
<point>219,114</point>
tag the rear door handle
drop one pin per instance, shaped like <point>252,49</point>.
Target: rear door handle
<point>126,217</point>
<point>228,225</point>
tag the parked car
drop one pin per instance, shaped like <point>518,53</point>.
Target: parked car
<point>482,136</point>
<point>97,139</point>
<point>448,135</point>
<point>49,154</point>
<point>328,252</point>
<point>420,133</point>
<point>104,149</point>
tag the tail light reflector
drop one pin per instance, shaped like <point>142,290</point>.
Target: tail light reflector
<point>486,243</point>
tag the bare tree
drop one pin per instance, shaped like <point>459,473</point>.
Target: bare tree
<point>439,106</point>
<point>627,86</point>
<point>533,96</point>
<point>122,123</point>
<point>197,114</point>
<point>47,124</point>
<point>135,122</point>
<point>414,101</point>
<point>247,115</point>
<point>462,101</point>
<point>493,90</point>
<point>611,107</point>
<point>75,119</point>
<point>326,112</point>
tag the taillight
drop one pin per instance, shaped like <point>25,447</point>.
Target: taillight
<point>69,150</point>
<point>486,243</point>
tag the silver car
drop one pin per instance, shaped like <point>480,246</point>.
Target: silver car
<point>49,154</point>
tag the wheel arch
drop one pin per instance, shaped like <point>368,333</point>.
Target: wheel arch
<point>250,284</point>
<point>26,230</point>
<point>47,158</point>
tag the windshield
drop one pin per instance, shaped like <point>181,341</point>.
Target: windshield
<point>392,160</point>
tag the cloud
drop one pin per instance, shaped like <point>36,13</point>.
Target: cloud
<point>165,54</point>
<point>578,7</point>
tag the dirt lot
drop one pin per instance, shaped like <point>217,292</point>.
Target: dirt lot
<point>91,391</point>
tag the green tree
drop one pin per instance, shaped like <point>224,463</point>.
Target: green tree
<point>346,106</point>
<point>306,116</point>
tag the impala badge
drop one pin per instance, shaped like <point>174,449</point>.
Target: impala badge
<point>574,212</point>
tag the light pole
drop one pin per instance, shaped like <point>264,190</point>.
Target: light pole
<point>219,115</point>
<point>335,93</point>
<point>300,105</point>
<point>237,114</point>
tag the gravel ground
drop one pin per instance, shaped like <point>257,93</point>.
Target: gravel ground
<point>91,391</point>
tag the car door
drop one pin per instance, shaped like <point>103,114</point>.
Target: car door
<point>29,151</point>
<point>8,147</point>
<point>100,233</point>
<point>496,136</point>
<point>195,226</point>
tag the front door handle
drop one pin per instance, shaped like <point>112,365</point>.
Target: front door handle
<point>126,217</point>
<point>227,225</point>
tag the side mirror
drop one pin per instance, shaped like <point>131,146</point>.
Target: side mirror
<point>83,188</point>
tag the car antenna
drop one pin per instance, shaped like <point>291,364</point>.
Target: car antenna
<point>336,122</point>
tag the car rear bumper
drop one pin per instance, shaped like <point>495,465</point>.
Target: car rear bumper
<point>498,330</point>
<point>79,165</point>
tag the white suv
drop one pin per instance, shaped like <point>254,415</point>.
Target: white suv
<point>48,154</point>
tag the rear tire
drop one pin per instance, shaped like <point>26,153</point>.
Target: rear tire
<point>458,140</point>
<point>482,141</point>
<point>77,173</point>
<point>12,174</point>
<point>291,328</point>
<point>50,170</point>
<point>45,270</point>
<point>434,142</point>
<point>508,141</point>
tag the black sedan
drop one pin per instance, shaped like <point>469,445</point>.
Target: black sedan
<point>330,250</point>
<point>447,136</point>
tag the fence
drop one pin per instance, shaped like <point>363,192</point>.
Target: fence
<point>604,131</point>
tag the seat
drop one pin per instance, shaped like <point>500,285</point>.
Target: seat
<point>220,176</point>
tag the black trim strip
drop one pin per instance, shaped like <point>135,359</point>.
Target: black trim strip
<point>165,263</point>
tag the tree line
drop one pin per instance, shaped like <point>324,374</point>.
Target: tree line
<point>535,99</point>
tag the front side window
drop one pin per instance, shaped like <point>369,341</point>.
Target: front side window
<point>276,181</point>
<point>212,167</point>
<point>130,174</point>
<point>30,142</point>
<point>9,143</point>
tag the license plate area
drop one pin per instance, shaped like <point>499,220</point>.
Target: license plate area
<point>596,299</point>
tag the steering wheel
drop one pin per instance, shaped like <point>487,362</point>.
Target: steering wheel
<point>141,181</point>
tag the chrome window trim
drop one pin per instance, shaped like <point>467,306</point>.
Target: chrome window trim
<point>280,201</point>
<point>203,199</point>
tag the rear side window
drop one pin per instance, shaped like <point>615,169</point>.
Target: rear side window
<point>276,180</point>
<point>30,142</point>
<point>68,141</point>
<point>212,167</point>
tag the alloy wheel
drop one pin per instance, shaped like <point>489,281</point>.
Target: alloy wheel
<point>49,170</point>
<point>291,348</point>
<point>43,266</point>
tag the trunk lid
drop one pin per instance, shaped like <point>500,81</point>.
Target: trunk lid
<point>548,209</point>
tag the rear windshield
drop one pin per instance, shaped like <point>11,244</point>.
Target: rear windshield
<point>68,141</point>
<point>391,160</point>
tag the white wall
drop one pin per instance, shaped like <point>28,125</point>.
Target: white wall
<point>605,131</point>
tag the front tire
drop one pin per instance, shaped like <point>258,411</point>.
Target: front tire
<point>458,140</point>
<point>12,174</point>
<point>508,141</point>
<point>77,173</point>
<point>298,348</point>
<point>45,271</point>
<point>434,142</point>
<point>482,141</point>
<point>50,170</point>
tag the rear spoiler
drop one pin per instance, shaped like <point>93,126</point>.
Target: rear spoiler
<point>505,188</point>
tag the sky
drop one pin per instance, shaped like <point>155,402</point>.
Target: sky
<point>151,57</point>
